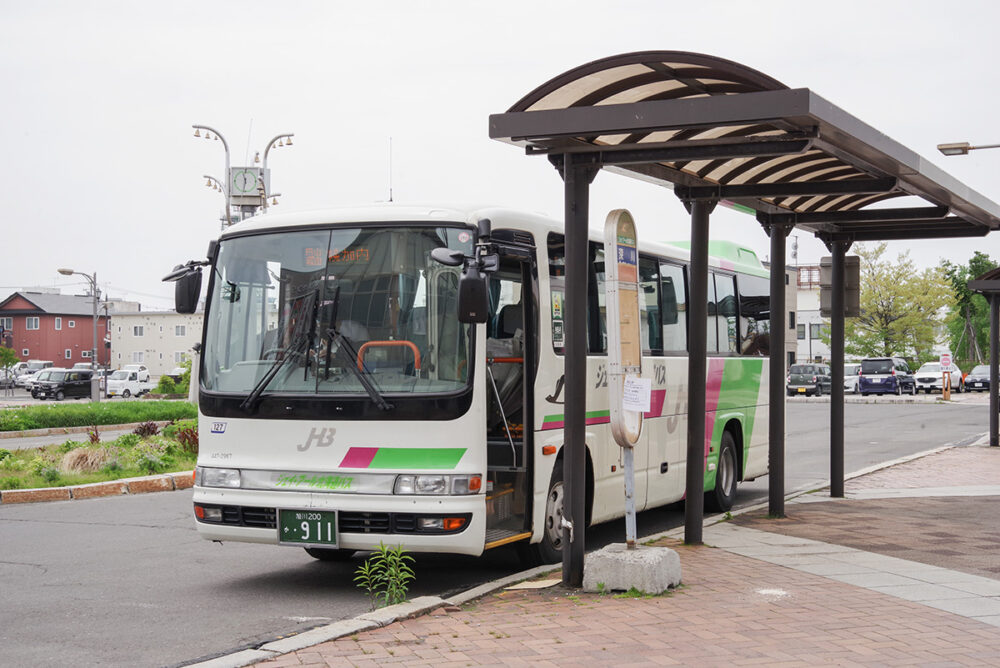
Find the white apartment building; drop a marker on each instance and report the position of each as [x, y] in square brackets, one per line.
[159, 339]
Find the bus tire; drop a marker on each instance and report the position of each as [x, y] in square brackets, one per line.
[722, 497]
[326, 554]
[549, 550]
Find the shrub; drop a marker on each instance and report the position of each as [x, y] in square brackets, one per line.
[38, 464]
[4, 454]
[112, 467]
[147, 429]
[149, 456]
[86, 460]
[188, 438]
[166, 385]
[128, 440]
[10, 482]
[50, 474]
[68, 445]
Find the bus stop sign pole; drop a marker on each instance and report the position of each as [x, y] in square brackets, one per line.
[628, 392]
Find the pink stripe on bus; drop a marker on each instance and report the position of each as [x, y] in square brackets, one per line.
[358, 458]
[713, 385]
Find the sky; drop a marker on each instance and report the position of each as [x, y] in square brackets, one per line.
[101, 172]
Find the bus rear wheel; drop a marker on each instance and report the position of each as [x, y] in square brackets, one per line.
[722, 497]
[326, 554]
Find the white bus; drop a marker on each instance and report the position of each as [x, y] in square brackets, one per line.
[343, 403]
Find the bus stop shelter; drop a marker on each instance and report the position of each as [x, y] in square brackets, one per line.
[715, 130]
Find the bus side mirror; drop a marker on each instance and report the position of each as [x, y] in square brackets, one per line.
[186, 292]
[473, 300]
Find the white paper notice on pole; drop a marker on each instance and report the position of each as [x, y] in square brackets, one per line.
[637, 394]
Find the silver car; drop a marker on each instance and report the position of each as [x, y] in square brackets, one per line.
[851, 377]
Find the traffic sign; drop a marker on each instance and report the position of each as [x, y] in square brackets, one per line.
[945, 360]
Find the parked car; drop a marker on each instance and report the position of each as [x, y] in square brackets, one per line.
[127, 383]
[37, 377]
[25, 379]
[930, 377]
[62, 383]
[978, 379]
[176, 374]
[851, 377]
[886, 375]
[808, 379]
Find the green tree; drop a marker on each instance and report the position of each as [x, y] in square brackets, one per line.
[900, 307]
[969, 322]
[8, 358]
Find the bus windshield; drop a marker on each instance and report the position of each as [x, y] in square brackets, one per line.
[356, 311]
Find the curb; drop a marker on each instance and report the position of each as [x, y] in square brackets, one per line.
[57, 431]
[166, 482]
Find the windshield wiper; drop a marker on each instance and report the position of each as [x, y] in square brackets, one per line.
[346, 352]
[300, 335]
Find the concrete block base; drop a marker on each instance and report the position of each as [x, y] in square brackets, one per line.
[651, 570]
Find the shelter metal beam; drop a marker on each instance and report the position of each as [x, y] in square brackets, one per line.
[776, 374]
[694, 504]
[860, 216]
[882, 234]
[795, 189]
[837, 297]
[641, 156]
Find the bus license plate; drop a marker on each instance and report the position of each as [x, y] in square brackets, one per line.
[307, 527]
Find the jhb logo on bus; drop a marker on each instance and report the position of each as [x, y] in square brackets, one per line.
[321, 438]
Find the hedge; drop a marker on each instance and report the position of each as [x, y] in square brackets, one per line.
[85, 415]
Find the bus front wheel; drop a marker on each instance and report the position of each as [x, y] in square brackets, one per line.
[722, 497]
[550, 549]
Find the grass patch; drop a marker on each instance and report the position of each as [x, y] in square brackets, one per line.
[103, 413]
[73, 463]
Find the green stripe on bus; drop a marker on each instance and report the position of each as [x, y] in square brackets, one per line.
[417, 458]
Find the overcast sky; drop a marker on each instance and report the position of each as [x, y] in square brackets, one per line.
[100, 170]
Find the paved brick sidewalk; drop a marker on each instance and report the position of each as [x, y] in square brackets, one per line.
[733, 609]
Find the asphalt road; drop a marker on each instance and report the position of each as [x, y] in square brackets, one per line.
[125, 580]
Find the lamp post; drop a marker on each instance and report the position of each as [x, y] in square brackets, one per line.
[95, 394]
[215, 184]
[276, 142]
[225, 189]
[963, 148]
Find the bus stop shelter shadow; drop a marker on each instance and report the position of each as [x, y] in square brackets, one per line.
[714, 130]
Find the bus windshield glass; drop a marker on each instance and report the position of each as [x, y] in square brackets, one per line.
[343, 311]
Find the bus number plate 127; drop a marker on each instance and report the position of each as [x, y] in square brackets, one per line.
[307, 527]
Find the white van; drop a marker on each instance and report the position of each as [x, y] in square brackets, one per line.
[128, 383]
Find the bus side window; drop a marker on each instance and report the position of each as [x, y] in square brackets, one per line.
[597, 329]
[726, 317]
[673, 308]
[755, 314]
[649, 307]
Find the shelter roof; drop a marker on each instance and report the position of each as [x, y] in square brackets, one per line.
[714, 129]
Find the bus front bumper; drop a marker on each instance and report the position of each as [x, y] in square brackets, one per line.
[364, 521]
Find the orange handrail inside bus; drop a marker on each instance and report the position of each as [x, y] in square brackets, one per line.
[386, 344]
[506, 360]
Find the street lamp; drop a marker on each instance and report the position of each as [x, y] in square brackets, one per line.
[276, 142]
[962, 148]
[208, 135]
[215, 184]
[95, 394]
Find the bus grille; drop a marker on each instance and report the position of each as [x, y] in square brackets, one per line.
[347, 521]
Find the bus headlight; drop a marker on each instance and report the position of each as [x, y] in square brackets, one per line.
[212, 477]
[437, 484]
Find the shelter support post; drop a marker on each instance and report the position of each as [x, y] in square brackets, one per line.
[994, 370]
[576, 181]
[838, 289]
[776, 373]
[694, 503]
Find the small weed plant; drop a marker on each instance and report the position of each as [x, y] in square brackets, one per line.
[385, 576]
